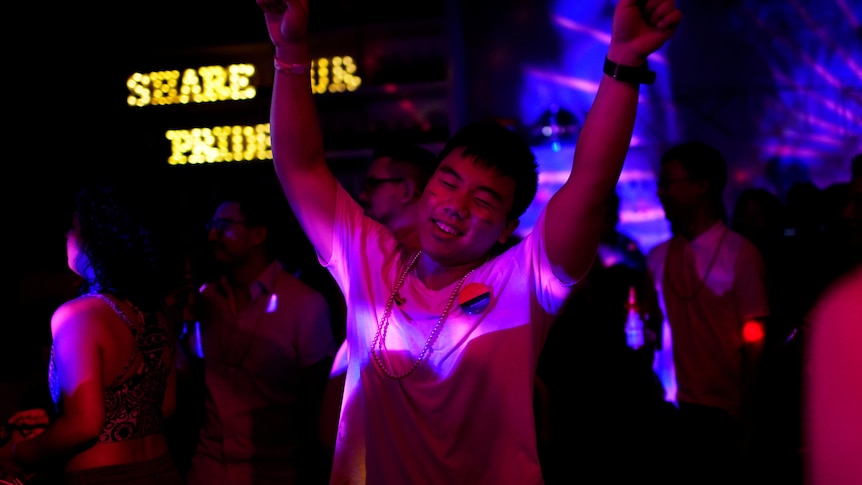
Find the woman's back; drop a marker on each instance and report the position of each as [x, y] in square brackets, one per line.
[129, 385]
[112, 368]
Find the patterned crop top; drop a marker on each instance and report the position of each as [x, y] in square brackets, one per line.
[133, 407]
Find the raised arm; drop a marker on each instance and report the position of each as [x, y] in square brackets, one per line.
[639, 28]
[297, 141]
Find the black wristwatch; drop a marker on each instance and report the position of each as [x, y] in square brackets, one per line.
[629, 74]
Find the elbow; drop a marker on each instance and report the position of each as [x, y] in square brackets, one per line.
[90, 426]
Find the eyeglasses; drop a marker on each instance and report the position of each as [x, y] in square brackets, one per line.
[371, 183]
[221, 223]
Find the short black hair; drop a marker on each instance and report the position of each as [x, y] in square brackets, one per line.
[422, 161]
[702, 162]
[263, 204]
[499, 147]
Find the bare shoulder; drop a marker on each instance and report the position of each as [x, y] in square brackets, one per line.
[85, 313]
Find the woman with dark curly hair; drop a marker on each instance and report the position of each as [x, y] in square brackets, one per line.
[112, 370]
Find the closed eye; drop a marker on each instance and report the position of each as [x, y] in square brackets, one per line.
[448, 177]
[484, 203]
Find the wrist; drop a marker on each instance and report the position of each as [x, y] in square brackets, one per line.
[627, 57]
[632, 74]
[293, 54]
[291, 68]
[20, 453]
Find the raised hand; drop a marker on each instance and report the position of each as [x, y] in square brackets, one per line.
[286, 20]
[640, 27]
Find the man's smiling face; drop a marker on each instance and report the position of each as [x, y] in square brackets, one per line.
[464, 210]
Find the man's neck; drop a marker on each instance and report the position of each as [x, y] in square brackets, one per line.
[435, 275]
[696, 227]
[243, 276]
[408, 236]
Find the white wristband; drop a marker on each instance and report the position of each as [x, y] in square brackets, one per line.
[288, 68]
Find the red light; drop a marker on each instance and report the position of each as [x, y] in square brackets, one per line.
[752, 332]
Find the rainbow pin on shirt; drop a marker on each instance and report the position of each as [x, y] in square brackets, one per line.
[474, 298]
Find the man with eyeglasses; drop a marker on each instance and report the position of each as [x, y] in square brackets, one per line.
[267, 346]
[392, 186]
[713, 284]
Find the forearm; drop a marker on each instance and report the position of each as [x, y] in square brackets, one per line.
[298, 150]
[62, 439]
[605, 137]
[751, 357]
[638, 29]
[601, 150]
[752, 353]
[608, 126]
[297, 141]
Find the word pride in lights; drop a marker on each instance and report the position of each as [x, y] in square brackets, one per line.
[220, 144]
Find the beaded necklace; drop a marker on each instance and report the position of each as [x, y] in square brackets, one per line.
[380, 337]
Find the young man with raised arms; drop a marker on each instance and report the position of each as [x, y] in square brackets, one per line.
[443, 342]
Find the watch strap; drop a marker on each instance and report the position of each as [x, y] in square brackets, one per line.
[629, 74]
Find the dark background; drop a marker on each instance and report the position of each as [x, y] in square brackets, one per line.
[733, 65]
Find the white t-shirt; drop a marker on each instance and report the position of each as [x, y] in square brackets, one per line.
[706, 320]
[465, 415]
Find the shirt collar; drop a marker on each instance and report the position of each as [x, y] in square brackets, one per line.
[263, 284]
[711, 236]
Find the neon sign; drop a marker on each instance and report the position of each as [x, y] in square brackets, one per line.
[202, 85]
[219, 144]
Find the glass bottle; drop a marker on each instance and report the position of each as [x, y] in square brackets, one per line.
[634, 327]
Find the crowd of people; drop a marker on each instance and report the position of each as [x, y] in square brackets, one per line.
[403, 334]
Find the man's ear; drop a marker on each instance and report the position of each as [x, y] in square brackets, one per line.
[511, 225]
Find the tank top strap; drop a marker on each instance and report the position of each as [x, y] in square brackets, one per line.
[119, 311]
[132, 328]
